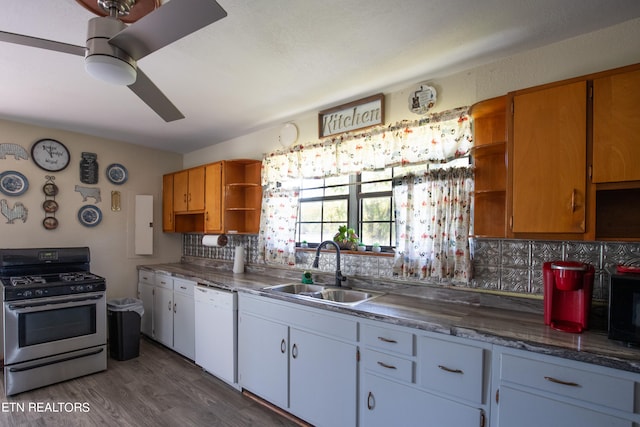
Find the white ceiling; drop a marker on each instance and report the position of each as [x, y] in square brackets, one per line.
[269, 61]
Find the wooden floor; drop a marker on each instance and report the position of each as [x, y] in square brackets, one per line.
[159, 388]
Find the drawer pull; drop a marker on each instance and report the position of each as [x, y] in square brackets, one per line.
[453, 371]
[557, 381]
[283, 346]
[384, 365]
[371, 401]
[388, 340]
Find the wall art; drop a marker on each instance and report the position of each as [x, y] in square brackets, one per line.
[18, 211]
[89, 168]
[87, 192]
[15, 150]
[50, 206]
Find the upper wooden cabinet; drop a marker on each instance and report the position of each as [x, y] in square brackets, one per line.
[549, 156]
[221, 197]
[167, 203]
[188, 190]
[490, 165]
[616, 127]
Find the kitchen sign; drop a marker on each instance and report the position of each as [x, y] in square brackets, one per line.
[355, 115]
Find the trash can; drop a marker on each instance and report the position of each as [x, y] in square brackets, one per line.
[123, 317]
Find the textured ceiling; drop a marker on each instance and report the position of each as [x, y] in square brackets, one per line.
[269, 61]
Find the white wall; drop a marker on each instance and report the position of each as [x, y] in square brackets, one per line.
[111, 241]
[601, 50]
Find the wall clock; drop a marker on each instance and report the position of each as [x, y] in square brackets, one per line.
[50, 155]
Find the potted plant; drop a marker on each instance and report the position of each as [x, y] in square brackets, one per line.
[362, 247]
[376, 247]
[304, 244]
[346, 238]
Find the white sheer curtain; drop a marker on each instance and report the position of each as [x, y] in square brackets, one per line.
[437, 138]
[433, 218]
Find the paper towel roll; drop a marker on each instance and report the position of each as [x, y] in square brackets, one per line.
[238, 260]
[214, 240]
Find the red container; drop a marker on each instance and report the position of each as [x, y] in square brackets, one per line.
[568, 286]
[568, 274]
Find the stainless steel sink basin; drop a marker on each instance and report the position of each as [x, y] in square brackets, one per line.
[327, 294]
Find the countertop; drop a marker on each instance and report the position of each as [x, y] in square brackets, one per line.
[496, 325]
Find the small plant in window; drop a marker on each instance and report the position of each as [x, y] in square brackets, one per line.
[346, 238]
[361, 246]
[376, 247]
[304, 244]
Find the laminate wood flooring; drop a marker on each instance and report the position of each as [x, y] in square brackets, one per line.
[158, 388]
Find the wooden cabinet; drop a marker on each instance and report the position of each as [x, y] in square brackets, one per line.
[213, 199]
[242, 200]
[408, 377]
[532, 389]
[548, 154]
[167, 203]
[616, 127]
[188, 190]
[301, 359]
[221, 197]
[490, 165]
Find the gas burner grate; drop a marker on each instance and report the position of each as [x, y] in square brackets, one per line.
[26, 280]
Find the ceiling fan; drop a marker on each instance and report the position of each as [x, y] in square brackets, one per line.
[113, 47]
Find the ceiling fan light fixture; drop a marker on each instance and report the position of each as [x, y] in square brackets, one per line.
[110, 69]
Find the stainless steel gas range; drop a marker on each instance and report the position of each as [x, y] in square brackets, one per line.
[54, 317]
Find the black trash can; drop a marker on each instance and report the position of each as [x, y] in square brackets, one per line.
[123, 317]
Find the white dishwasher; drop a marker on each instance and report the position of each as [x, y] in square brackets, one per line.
[216, 332]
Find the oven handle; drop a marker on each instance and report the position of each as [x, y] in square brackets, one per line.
[17, 307]
[53, 362]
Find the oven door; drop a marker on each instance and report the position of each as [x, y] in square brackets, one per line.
[44, 327]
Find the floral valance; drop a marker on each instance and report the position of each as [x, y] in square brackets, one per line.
[438, 138]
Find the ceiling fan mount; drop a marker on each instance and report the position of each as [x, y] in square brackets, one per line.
[113, 48]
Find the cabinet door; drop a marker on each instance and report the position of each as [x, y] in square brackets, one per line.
[616, 128]
[184, 341]
[167, 203]
[323, 375]
[180, 191]
[387, 403]
[145, 293]
[213, 198]
[196, 189]
[549, 160]
[163, 316]
[519, 408]
[263, 358]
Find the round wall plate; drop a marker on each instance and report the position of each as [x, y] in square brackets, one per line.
[288, 134]
[90, 215]
[117, 174]
[13, 183]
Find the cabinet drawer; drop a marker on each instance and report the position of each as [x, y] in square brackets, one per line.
[164, 281]
[452, 368]
[146, 276]
[183, 286]
[386, 364]
[573, 382]
[387, 339]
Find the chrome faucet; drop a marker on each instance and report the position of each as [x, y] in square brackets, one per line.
[339, 277]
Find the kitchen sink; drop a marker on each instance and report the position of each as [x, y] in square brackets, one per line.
[328, 294]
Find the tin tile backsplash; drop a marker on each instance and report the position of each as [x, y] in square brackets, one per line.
[499, 264]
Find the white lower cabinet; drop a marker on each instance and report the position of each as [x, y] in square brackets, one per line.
[532, 389]
[169, 315]
[301, 359]
[411, 378]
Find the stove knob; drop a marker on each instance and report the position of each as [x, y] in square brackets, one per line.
[79, 288]
[27, 293]
[39, 292]
[89, 288]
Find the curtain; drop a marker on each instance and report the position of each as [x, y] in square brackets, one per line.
[433, 218]
[278, 225]
[437, 138]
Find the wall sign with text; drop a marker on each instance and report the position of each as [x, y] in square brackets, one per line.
[360, 114]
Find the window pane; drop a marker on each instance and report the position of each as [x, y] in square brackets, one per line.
[376, 232]
[311, 188]
[375, 176]
[376, 209]
[310, 233]
[310, 211]
[342, 181]
[335, 211]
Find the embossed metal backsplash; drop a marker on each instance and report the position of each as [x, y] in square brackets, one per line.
[499, 264]
[516, 265]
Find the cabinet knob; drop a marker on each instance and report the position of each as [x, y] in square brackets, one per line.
[294, 351]
[283, 346]
[371, 401]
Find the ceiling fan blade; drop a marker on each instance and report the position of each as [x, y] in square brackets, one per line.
[154, 98]
[168, 23]
[41, 43]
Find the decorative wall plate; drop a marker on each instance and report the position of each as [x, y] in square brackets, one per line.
[50, 155]
[13, 183]
[422, 99]
[50, 206]
[50, 189]
[90, 215]
[50, 223]
[117, 174]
